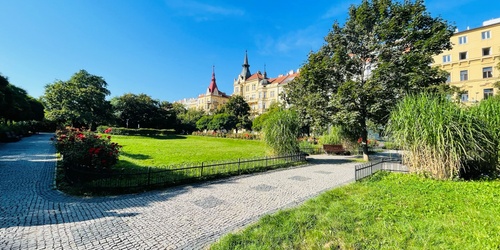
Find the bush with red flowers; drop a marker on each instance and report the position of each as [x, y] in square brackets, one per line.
[86, 149]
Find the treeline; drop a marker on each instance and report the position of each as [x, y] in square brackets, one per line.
[81, 102]
[16, 105]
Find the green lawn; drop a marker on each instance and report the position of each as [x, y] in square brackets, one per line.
[175, 149]
[387, 211]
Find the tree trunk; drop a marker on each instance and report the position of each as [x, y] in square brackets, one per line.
[364, 141]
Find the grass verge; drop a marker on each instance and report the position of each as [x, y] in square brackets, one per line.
[385, 211]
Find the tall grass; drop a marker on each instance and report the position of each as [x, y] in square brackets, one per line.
[281, 131]
[489, 112]
[441, 139]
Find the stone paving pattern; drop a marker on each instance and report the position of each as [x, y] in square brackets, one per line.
[33, 215]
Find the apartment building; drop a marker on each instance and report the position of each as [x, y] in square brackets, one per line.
[258, 90]
[472, 62]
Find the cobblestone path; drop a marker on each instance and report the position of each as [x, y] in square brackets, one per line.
[35, 216]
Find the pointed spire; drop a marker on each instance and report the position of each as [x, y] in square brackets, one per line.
[265, 73]
[245, 72]
[213, 84]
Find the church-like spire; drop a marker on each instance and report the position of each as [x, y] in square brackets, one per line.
[213, 84]
[245, 72]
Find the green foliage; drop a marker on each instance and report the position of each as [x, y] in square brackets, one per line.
[80, 101]
[16, 105]
[186, 118]
[136, 111]
[388, 211]
[239, 108]
[133, 131]
[488, 111]
[222, 121]
[86, 149]
[258, 122]
[281, 131]
[334, 136]
[382, 53]
[442, 139]
[203, 122]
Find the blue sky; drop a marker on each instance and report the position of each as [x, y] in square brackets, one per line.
[166, 49]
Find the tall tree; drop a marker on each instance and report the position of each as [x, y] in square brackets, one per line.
[80, 100]
[239, 108]
[141, 110]
[381, 54]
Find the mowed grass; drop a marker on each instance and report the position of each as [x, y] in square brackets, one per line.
[176, 150]
[387, 211]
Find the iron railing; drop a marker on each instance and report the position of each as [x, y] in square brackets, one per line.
[381, 164]
[151, 177]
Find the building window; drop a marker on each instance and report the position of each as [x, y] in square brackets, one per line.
[462, 39]
[486, 51]
[253, 87]
[260, 95]
[236, 89]
[448, 78]
[246, 97]
[485, 35]
[247, 88]
[446, 58]
[462, 55]
[464, 75]
[253, 97]
[263, 106]
[271, 93]
[487, 93]
[264, 95]
[465, 96]
[488, 72]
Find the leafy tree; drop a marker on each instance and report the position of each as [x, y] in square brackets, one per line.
[186, 118]
[222, 121]
[141, 110]
[238, 107]
[203, 122]
[381, 54]
[79, 101]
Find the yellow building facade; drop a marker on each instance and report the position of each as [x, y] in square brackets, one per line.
[258, 90]
[472, 62]
[210, 101]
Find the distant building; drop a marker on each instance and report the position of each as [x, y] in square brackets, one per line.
[258, 90]
[472, 61]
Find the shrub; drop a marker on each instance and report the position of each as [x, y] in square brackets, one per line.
[281, 131]
[334, 136]
[84, 148]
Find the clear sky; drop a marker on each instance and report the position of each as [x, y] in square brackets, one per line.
[166, 48]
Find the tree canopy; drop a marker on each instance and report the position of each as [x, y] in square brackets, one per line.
[239, 108]
[79, 101]
[17, 105]
[381, 54]
[141, 110]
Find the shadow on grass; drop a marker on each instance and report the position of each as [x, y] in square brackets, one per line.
[136, 156]
[165, 137]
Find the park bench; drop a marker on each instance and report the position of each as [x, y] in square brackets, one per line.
[335, 149]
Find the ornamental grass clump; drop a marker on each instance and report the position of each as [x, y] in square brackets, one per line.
[281, 132]
[488, 111]
[86, 149]
[441, 139]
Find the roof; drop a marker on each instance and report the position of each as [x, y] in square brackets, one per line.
[283, 79]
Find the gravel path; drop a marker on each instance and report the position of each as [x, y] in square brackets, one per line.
[35, 216]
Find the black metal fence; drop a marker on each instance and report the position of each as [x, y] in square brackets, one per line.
[381, 164]
[172, 175]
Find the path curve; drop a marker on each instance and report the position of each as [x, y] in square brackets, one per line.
[35, 216]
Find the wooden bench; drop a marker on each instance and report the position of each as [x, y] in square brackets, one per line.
[335, 149]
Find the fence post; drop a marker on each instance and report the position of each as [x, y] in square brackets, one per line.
[149, 176]
[201, 172]
[238, 165]
[266, 161]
